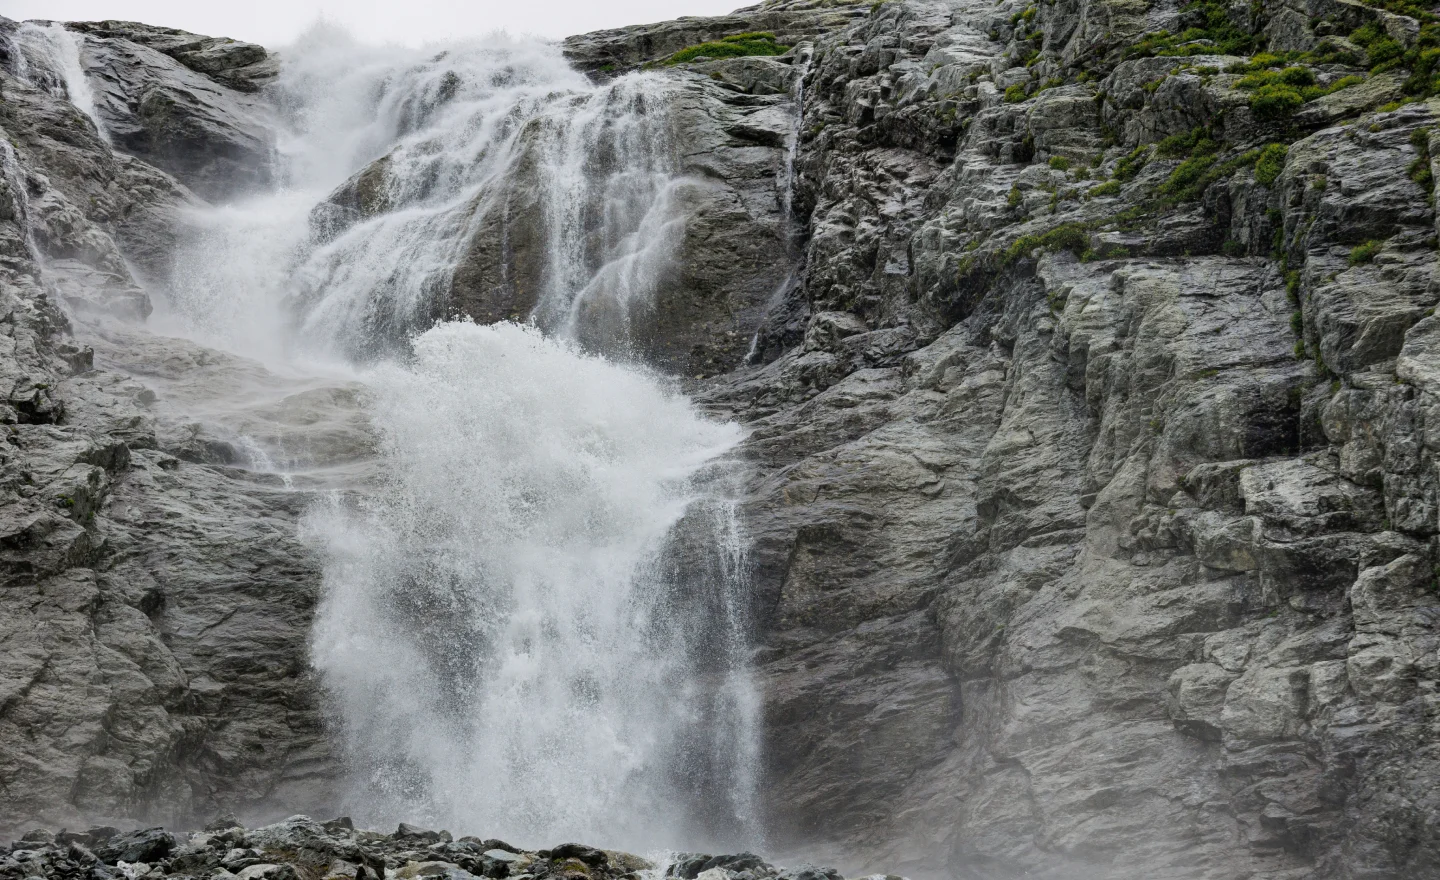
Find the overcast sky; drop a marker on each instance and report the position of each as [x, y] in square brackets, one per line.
[276, 22]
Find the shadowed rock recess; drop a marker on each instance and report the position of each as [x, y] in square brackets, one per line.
[1088, 354]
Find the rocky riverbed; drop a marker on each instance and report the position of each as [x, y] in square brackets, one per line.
[302, 849]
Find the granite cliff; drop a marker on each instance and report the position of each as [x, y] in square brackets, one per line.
[1086, 350]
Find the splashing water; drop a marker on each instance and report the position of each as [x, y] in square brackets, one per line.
[535, 625]
[501, 618]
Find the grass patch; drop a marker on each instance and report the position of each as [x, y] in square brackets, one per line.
[1131, 165]
[1270, 163]
[1420, 167]
[1073, 237]
[737, 46]
[1365, 253]
[1208, 31]
[1108, 188]
[1059, 163]
[1015, 94]
[1177, 145]
[1277, 94]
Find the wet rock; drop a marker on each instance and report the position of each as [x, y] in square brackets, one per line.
[136, 846]
[179, 117]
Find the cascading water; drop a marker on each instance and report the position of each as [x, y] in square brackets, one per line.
[533, 621]
[49, 58]
[534, 625]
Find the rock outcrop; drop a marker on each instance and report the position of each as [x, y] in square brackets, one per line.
[184, 103]
[1088, 355]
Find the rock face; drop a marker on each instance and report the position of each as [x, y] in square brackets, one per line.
[1093, 502]
[183, 103]
[1109, 550]
[152, 649]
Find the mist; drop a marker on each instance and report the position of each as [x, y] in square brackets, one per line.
[278, 22]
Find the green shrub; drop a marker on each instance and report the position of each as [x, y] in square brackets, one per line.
[1296, 76]
[1329, 52]
[1015, 198]
[1183, 178]
[1212, 33]
[1128, 167]
[1383, 54]
[1274, 102]
[1193, 176]
[1015, 94]
[1365, 253]
[1366, 34]
[1177, 145]
[1108, 188]
[737, 46]
[1059, 163]
[1420, 167]
[1270, 163]
[1072, 237]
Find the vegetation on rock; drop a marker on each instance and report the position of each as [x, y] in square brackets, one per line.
[737, 46]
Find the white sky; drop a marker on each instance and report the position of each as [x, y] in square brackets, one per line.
[277, 22]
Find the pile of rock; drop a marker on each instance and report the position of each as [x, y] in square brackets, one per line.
[302, 849]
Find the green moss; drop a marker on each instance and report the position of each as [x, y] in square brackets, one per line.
[737, 46]
[1108, 188]
[1420, 166]
[1183, 179]
[1073, 237]
[1270, 163]
[1292, 287]
[1128, 167]
[1210, 32]
[1177, 145]
[1384, 54]
[1275, 102]
[1365, 253]
[1277, 94]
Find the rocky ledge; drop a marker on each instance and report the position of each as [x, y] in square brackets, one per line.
[301, 847]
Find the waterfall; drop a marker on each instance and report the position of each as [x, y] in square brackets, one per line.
[535, 625]
[49, 59]
[498, 622]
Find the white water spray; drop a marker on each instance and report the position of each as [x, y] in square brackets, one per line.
[500, 622]
[536, 625]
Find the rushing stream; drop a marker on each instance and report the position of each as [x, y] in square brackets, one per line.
[531, 624]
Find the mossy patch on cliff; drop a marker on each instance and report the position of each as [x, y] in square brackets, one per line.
[736, 46]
